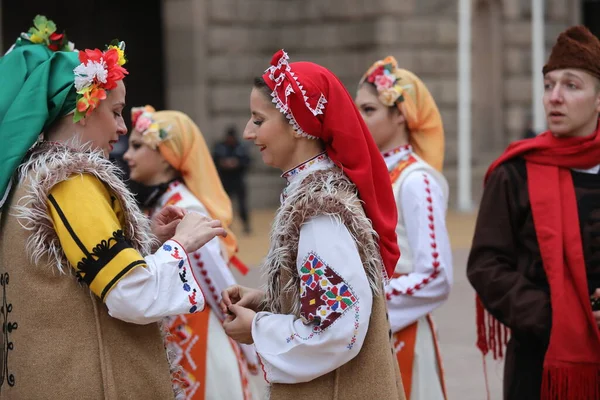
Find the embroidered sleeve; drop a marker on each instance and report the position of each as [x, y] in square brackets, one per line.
[334, 302]
[134, 288]
[166, 287]
[208, 263]
[415, 295]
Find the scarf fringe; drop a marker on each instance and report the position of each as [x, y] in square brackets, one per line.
[573, 382]
[492, 336]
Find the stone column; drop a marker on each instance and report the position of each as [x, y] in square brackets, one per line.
[186, 66]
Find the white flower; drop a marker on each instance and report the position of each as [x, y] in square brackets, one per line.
[85, 74]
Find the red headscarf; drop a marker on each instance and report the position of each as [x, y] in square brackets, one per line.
[318, 106]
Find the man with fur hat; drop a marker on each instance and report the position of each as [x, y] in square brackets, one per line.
[535, 262]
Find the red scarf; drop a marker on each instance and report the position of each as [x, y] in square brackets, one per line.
[572, 362]
[317, 104]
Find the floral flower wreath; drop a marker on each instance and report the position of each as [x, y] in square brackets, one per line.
[43, 31]
[142, 119]
[98, 72]
[384, 74]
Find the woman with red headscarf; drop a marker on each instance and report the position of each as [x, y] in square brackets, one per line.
[320, 328]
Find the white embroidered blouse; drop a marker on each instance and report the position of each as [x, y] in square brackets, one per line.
[336, 300]
[422, 203]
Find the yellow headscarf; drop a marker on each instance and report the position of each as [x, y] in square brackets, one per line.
[181, 143]
[404, 89]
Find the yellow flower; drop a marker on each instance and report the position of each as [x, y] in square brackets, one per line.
[35, 38]
[121, 53]
[388, 96]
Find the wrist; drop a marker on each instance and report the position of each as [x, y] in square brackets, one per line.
[182, 241]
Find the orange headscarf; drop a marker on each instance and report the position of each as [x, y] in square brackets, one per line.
[185, 150]
[404, 89]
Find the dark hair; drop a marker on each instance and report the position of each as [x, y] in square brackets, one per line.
[260, 84]
[231, 131]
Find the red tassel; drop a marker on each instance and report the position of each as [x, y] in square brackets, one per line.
[492, 336]
[236, 262]
[579, 382]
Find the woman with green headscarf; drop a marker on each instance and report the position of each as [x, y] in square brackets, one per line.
[81, 290]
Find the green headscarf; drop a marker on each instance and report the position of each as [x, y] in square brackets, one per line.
[36, 89]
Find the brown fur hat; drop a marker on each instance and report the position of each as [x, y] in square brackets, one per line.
[577, 48]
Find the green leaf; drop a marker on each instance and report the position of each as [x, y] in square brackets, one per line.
[347, 301]
[78, 116]
[319, 272]
[44, 25]
[330, 295]
[39, 21]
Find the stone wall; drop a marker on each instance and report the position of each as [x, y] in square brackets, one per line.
[215, 47]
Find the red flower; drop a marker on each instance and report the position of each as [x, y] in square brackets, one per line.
[90, 55]
[56, 37]
[135, 115]
[375, 73]
[115, 71]
[56, 40]
[90, 99]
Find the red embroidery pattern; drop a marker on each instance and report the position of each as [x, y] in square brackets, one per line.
[435, 262]
[396, 150]
[305, 165]
[204, 276]
[175, 254]
[176, 198]
[400, 167]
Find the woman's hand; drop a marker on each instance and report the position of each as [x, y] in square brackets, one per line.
[165, 222]
[241, 296]
[238, 324]
[195, 230]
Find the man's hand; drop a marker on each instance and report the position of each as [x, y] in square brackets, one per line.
[165, 222]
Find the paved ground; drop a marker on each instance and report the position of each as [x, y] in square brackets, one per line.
[455, 320]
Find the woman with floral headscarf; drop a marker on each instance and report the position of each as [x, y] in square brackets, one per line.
[406, 125]
[81, 289]
[320, 328]
[167, 151]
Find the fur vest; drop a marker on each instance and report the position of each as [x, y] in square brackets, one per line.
[60, 340]
[330, 192]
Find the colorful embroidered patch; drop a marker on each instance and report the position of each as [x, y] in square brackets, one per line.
[324, 295]
[305, 165]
